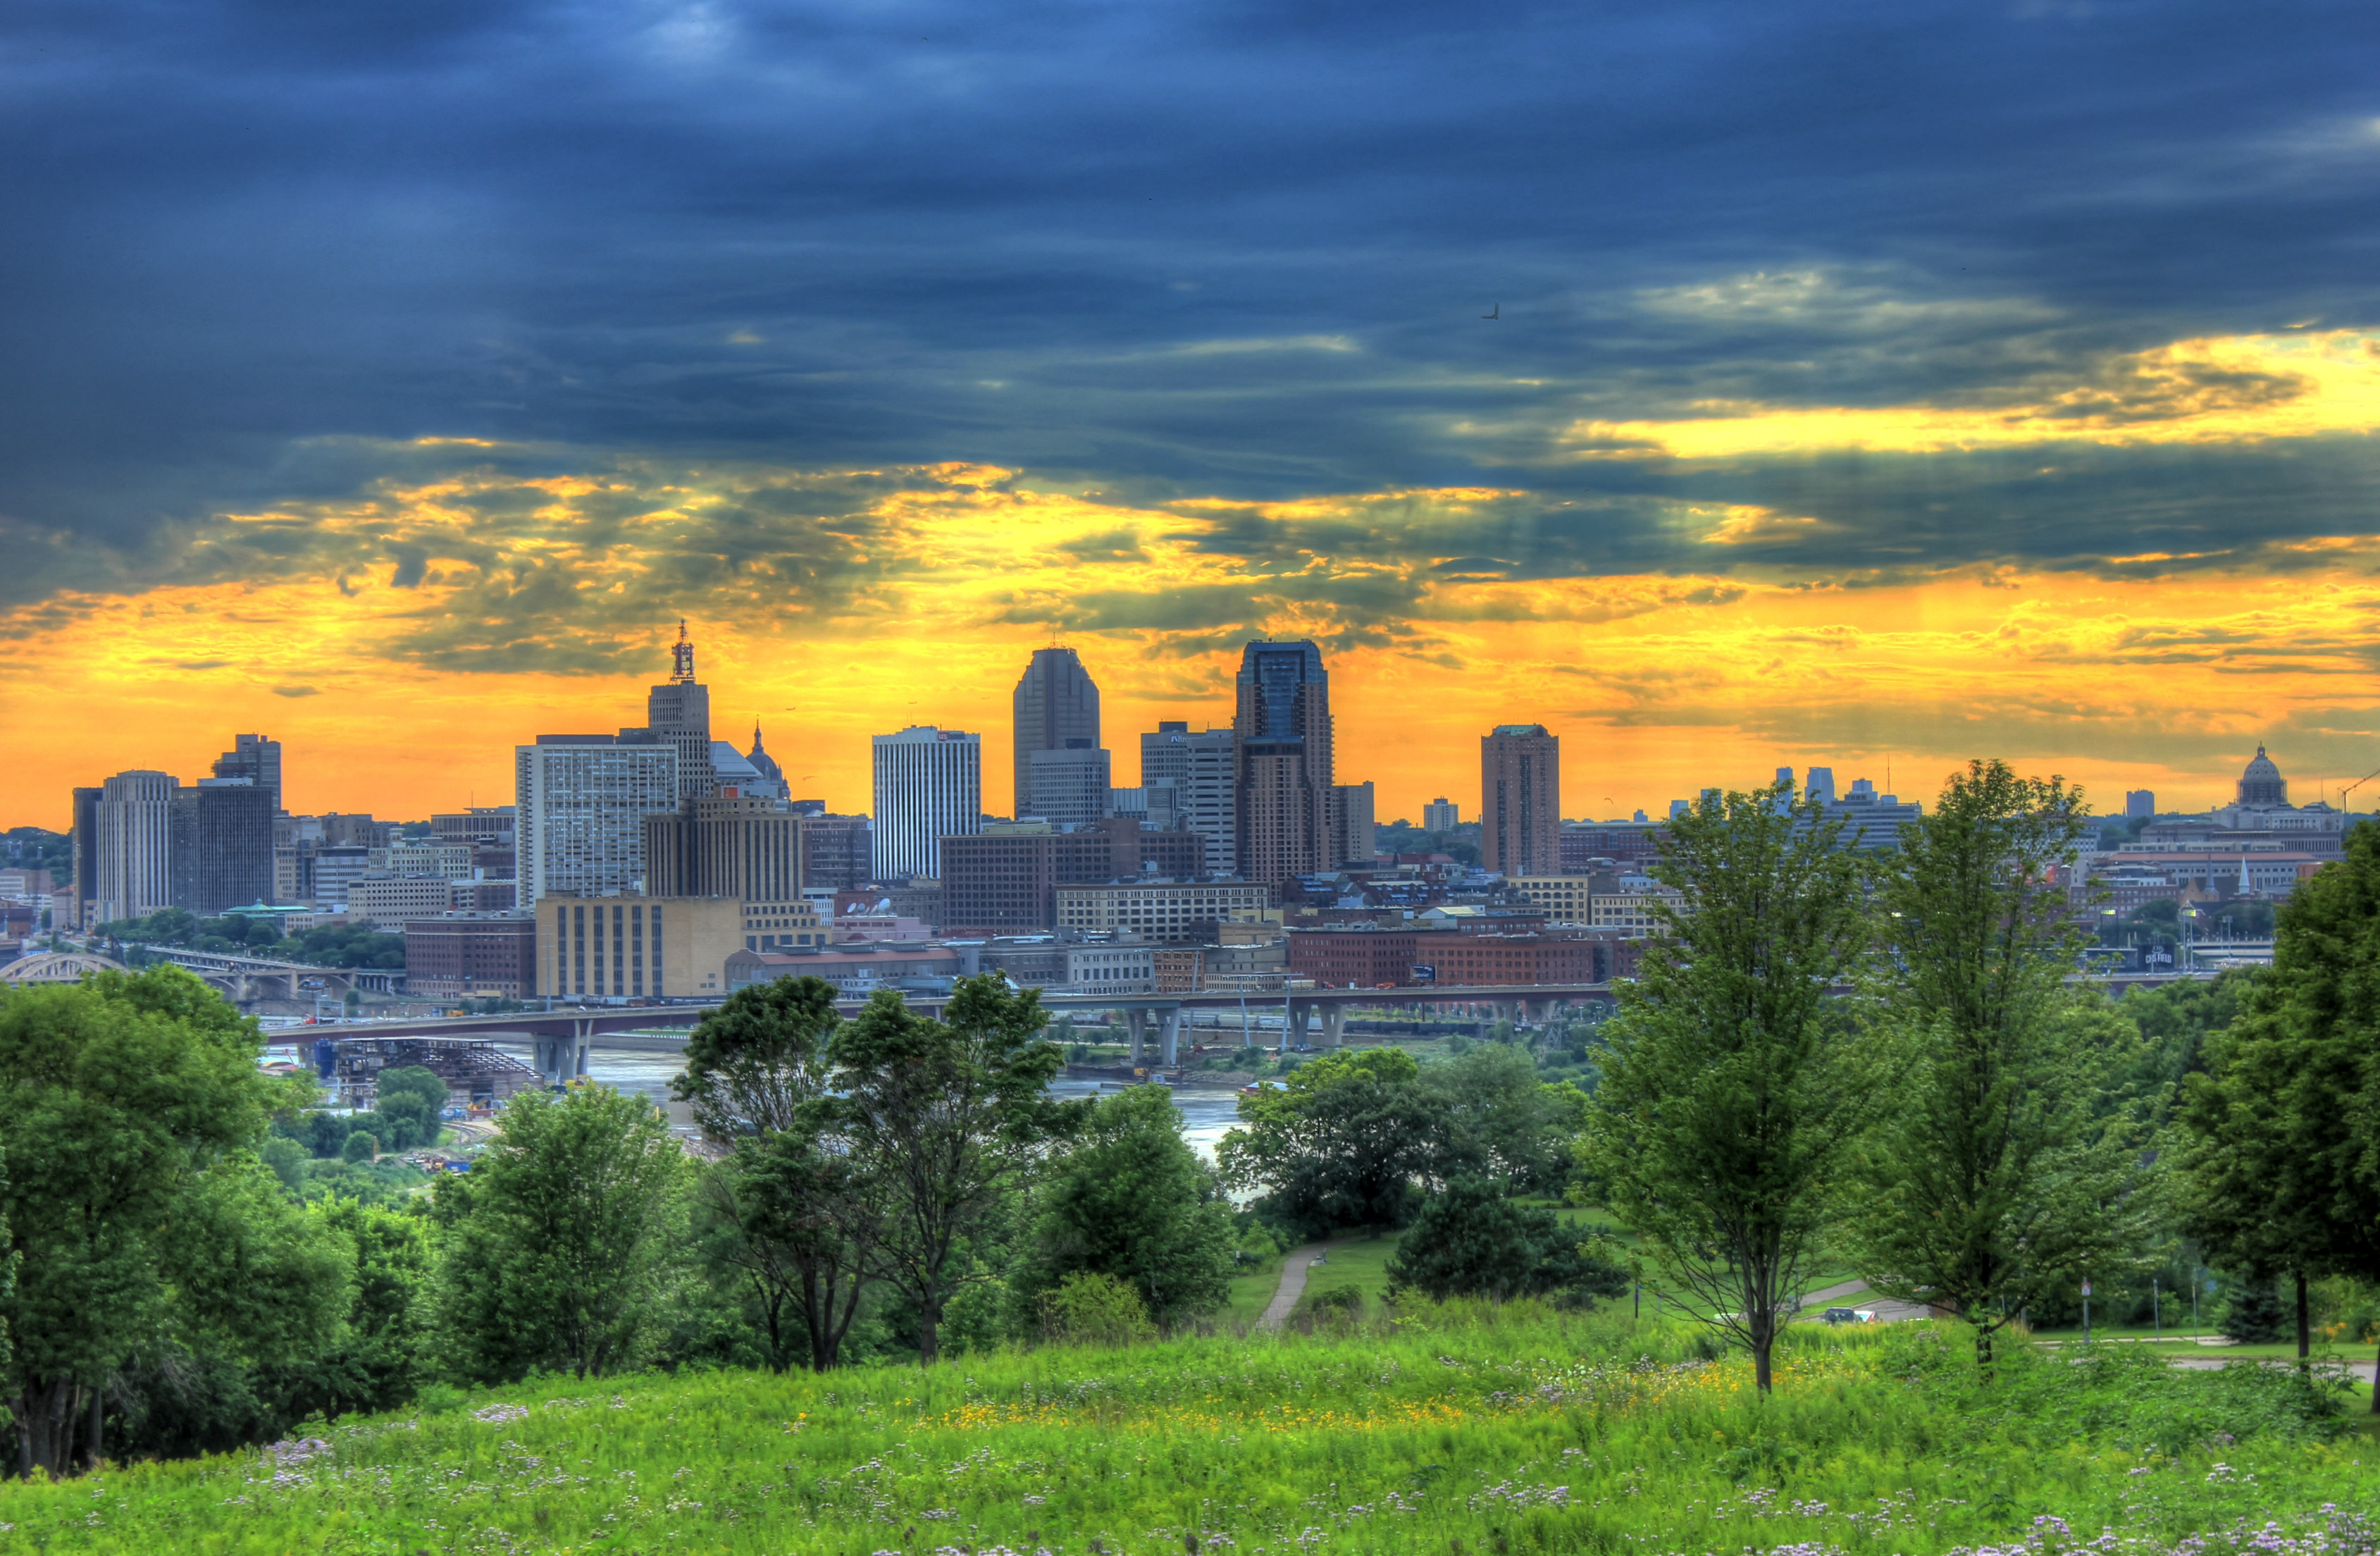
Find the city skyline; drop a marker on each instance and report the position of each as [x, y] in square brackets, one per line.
[1409, 771]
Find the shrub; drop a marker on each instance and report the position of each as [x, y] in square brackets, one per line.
[1093, 1309]
[361, 1146]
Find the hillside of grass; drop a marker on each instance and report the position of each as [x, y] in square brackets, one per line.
[1458, 1431]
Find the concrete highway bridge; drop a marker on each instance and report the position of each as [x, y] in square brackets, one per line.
[563, 1038]
[246, 978]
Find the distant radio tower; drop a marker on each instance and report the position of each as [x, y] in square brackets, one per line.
[681, 657]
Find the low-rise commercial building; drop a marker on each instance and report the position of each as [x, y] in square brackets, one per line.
[1005, 878]
[1373, 958]
[392, 901]
[857, 971]
[1162, 910]
[1111, 969]
[471, 956]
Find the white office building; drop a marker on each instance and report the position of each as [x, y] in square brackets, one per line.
[929, 787]
[1203, 771]
[135, 859]
[580, 808]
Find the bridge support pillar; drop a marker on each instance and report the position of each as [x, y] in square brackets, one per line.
[562, 1058]
[1334, 1026]
[1137, 1022]
[1169, 1036]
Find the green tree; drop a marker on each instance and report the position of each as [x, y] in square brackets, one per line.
[1340, 1143]
[1472, 1240]
[1501, 1122]
[1735, 1083]
[561, 1236]
[2280, 1135]
[2011, 1166]
[945, 1117]
[116, 1096]
[789, 1218]
[1132, 1200]
[376, 1362]
[416, 1095]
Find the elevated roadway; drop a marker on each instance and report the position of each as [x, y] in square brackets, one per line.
[563, 1038]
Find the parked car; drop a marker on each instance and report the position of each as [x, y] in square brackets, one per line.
[1848, 1316]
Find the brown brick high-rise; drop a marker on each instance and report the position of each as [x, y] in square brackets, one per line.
[1520, 801]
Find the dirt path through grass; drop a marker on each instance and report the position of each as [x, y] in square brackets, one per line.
[1292, 1281]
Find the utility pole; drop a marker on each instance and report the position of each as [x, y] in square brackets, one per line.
[2086, 1312]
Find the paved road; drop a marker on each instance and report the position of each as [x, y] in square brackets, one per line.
[1886, 1310]
[1293, 1282]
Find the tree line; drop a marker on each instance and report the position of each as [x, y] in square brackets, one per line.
[1887, 1064]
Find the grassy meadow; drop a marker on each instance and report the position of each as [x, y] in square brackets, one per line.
[1459, 1430]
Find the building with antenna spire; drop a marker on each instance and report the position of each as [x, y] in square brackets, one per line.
[678, 714]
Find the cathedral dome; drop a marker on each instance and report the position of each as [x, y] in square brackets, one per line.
[2261, 784]
[762, 762]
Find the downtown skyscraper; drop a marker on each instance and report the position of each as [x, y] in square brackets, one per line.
[1282, 722]
[929, 787]
[1057, 709]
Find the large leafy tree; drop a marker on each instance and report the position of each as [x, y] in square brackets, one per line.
[1472, 1240]
[2012, 1164]
[563, 1237]
[789, 1217]
[945, 1118]
[118, 1098]
[1341, 1142]
[2280, 1135]
[1499, 1122]
[1736, 1082]
[1132, 1200]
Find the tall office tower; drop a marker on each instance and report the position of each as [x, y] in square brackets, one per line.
[135, 815]
[1520, 801]
[220, 845]
[747, 848]
[2139, 803]
[580, 804]
[1068, 787]
[929, 787]
[1204, 770]
[255, 758]
[1352, 841]
[1821, 786]
[1057, 703]
[1441, 815]
[79, 913]
[1283, 723]
[678, 714]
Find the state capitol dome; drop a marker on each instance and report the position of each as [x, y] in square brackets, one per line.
[2262, 783]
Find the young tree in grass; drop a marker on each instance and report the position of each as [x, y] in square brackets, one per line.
[1132, 1200]
[2006, 1168]
[561, 1236]
[1736, 1082]
[943, 1117]
[2280, 1136]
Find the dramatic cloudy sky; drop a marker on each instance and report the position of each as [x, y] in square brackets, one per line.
[1872, 383]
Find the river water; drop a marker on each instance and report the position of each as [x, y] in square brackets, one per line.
[1205, 1113]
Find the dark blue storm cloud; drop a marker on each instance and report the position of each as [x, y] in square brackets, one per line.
[1222, 248]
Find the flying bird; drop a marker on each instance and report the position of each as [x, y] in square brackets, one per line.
[1493, 311]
